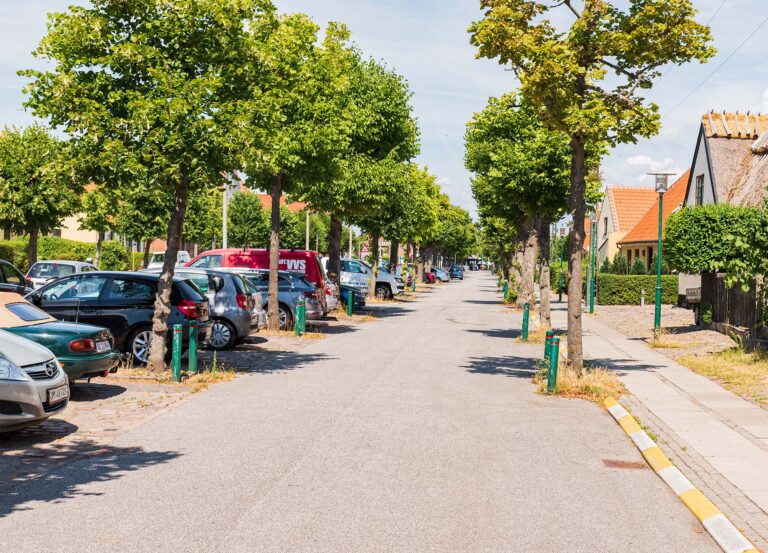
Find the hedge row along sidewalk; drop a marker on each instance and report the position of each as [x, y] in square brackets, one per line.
[715, 522]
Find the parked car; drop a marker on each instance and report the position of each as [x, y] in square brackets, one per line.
[258, 303]
[331, 297]
[387, 284]
[33, 386]
[124, 302]
[13, 280]
[456, 271]
[230, 305]
[430, 278]
[440, 275]
[43, 272]
[344, 293]
[158, 259]
[352, 274]
[291, 287]
[83, 350]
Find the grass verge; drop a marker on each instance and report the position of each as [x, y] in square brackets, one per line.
[594, 384]
[663, 341]
[743, 373]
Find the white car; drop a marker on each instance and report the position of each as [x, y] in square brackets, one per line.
[441, 275]
[352, 274]
[33, 386]
[387, 284]
[158, 258]
[43, 272]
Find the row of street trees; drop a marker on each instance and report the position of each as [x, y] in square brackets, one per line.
[162, 100]
[582, 69]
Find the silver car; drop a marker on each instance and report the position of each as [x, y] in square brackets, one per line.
[231, 304]
[33, 386]
[43, 272]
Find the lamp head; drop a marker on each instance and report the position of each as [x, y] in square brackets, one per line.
[662, 181]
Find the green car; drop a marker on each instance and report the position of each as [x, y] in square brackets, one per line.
[83, 350]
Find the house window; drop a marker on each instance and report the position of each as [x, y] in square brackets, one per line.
[56, 232]
[605, 226]
[699, 189]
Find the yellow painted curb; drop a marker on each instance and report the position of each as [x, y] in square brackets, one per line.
[727, 536]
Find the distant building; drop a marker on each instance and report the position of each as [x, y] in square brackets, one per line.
[621, 210]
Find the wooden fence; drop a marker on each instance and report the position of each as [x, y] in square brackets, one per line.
[732, 306]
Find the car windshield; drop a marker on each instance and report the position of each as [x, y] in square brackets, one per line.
[27, 312]
[51, 270]
[158, 257]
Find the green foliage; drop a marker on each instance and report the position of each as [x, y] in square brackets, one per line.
[638, 267]
[620, 264]
[627, 289]
[37, 190]
[749, 246]
[606, 267]
[665, 270]
[248, 221]
[705, 238]
[707, 313]
[114, 256]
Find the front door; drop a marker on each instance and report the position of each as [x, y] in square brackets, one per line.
[73, 299]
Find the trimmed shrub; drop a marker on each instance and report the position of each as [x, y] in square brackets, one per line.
[638, 267]
[606, 267]
[114, 257]
[620, 265]
[626, 289]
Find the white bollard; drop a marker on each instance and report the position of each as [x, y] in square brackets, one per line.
[642, 298]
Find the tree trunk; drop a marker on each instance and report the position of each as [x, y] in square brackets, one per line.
[418, 254]
[158, 345]
[408, 251]
[428, 259]
[273, 313]
[544, 287]
[394, 250]
[578, 207]
[32, 248]
[145, 261]
[334, 249]
[528, 266]
[374, 264]
[97, 258]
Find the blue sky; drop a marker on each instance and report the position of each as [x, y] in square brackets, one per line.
[426, 41]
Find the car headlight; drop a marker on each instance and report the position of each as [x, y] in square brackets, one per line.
[10, 371]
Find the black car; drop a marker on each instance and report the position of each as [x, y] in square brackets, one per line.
[124, 303]
[13, 280]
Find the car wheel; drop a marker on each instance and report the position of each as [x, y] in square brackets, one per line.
[138, 345]
[223, 335]
[383, 292]
[284, 317]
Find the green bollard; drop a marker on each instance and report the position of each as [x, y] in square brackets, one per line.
[176, 359]
[350, 302]
[304, 318]
[192, 346]
[554, 359]
[548, 344]
[297, 322]
[504, 291]
[526, 316]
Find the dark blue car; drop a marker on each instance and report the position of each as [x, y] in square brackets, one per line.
[456, 271]
[344, 292]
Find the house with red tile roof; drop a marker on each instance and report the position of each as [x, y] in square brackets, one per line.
[621, 210]
[642, 241]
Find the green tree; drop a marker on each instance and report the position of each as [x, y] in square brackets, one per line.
[145, 90]
[606, 267]
[205, 226]
[37, 190]
[99, 209]
[638, 267]
[565, 70]
[248, 221]
[620, 264]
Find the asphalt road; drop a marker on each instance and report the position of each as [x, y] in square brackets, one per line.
[420, 432]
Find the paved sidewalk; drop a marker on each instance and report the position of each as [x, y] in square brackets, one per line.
[719, 439]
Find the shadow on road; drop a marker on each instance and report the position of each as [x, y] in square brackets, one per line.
[270, 362]
[510, 366]
[385, 311]
[57, 474]
[94, 391]
[497, 332]
[484, 302]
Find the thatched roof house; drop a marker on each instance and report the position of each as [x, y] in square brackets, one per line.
[730, 164]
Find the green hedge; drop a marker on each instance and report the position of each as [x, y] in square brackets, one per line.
[114, 256]
[626, 289]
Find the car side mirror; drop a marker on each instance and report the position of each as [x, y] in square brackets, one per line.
[36, 299]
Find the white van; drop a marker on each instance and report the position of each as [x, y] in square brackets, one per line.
[158, 258]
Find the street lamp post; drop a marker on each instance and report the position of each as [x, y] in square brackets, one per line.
[560, 281]
[662, 181]
[593, 261]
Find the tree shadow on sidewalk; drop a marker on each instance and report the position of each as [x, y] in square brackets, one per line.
[94, 391]
[510, 366]
[620, 366]
[271, 362]
[484, 302]
[57, 474]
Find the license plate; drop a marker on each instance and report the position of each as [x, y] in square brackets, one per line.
[56, 395]
[101, 347]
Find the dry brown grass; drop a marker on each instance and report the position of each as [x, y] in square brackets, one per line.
[595, 384]
[662, 340]
[743, 373]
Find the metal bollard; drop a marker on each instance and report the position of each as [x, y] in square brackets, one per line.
[526, 317]
[176, 359]
[554, 360]
[504, 291]
[300, 306]
[192, 346]
[350, 302]
[304, 318]
[642, 298]
[548, 344]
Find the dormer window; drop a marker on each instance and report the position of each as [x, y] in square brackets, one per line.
[699, 189]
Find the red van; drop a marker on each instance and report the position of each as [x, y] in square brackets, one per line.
[297, 261]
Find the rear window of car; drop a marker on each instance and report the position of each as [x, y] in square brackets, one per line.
[127, 289]
[201, 281]
[27, 312]
[208, 262]
[51, 270]
[186, 290]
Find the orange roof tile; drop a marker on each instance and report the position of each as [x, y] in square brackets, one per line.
[647, 229]
[293, 207]
[628, 205]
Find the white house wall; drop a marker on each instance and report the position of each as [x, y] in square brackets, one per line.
[700, 166]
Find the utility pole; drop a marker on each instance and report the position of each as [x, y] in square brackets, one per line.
[228, 187]
[350, 243]
[306, 242]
